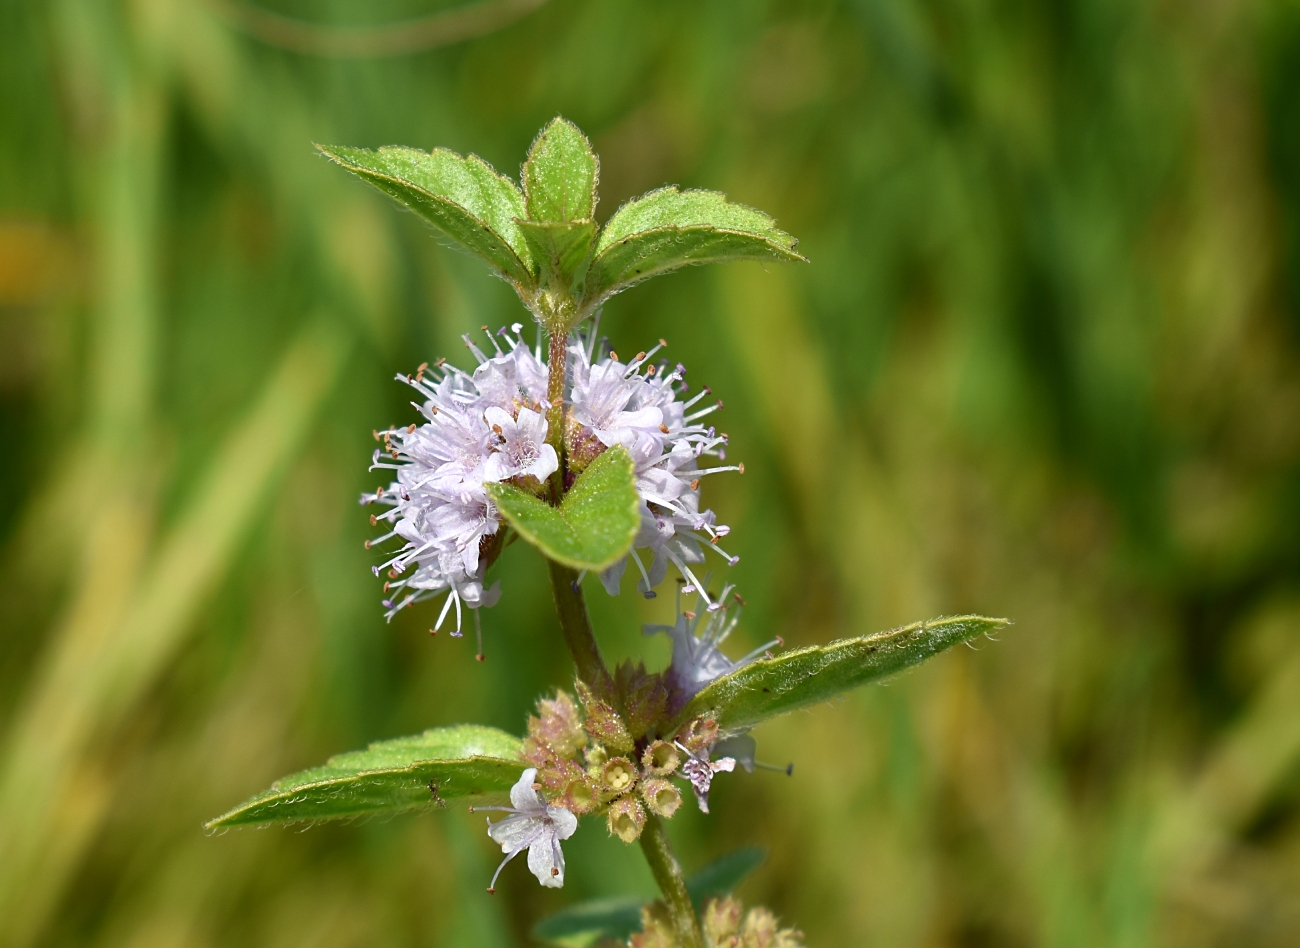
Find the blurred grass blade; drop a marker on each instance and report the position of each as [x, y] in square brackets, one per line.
[391, 39]
[120, 632]
[463, 198]
[586, 922]
[467, 763]
[807, 676]
[560, 175]
[668, 228]
[593, 527]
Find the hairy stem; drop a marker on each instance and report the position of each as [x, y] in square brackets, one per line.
[558, 361]
[668, 874]
[576, 626]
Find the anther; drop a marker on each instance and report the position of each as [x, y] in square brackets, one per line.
[695, 484]
[613, 355]
[368, 542]
[393, 574]
[554, 871]
[376, 433]
[481, 657]
[374, 522]
[688, 613]
[411, 430]
[663, 428]
[741, 467]
[440, 363]
[639, 356]
[663, 342]
[739, 599]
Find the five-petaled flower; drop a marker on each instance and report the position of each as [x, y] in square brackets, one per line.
[534, 825]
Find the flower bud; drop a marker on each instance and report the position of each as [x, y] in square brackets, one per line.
[661, 797]
[698, 734]
[626, 818]
[720, 920]
[617, 776]
[579, 796]
[557, 724]
[603, 722]
[661, 759]
[656, 928]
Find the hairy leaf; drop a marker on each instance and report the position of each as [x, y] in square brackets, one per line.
[595, 524]
[560, 175]
[467, 763]
[560, 251]
[462, 197]
[668, 228]
[617, 918]
[807, 676]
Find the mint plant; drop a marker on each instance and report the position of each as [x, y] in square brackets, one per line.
[597, 462]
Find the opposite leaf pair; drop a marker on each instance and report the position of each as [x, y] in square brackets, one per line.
[544, 240]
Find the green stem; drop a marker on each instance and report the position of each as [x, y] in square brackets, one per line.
[668, 874]
[558, 360]
[576, 626]
[581, 640]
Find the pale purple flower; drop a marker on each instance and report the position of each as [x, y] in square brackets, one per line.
[636, 404]
[491, 426]
[480, 428]
[521, 448]
[697, 655]
[699, 770]
[534, 825]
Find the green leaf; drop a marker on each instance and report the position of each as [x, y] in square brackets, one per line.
[668, 228]
[560, 175]
[595, 524]
[722, 875]
[807, 676]
[584, 923]
[462, 197]
[467, 763]
[561, 251]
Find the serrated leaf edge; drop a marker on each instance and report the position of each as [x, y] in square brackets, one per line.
[525, 271]
[276, 798]
[696, 706]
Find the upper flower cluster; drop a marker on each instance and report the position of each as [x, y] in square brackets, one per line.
[491, 426]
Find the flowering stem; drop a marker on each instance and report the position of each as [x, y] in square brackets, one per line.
[576, 626]
[668, 874]
[558, 361]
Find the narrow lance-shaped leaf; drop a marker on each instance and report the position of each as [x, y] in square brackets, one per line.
[595, 524]
[617, 918]
[467, 201]
[668, 228]
[808, 676]
[560, 175]
[467, 763]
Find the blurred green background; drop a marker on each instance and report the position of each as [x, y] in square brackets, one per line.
[1043, 365]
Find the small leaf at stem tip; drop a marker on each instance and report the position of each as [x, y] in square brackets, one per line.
[463, 198]
[561, 252]
[807, 676]
[467, 763]
[595, 524]
[668, 228]
[560, 175]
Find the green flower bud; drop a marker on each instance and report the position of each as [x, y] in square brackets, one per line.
[661, 797]
[626, 818]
